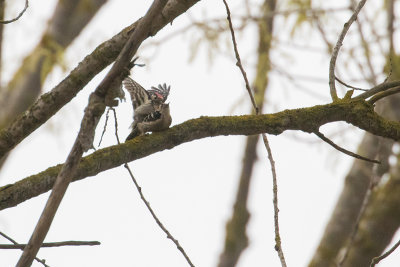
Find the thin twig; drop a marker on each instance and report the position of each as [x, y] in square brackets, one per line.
[176, 242]
[19, 15]
[84, 140]
[278, 246]
[139, 189]
[105, 127]
[349, 86]
[53, 244]
[327, 140]
[15, 243]
[336, 49]
[278, 243]
[383, 94]
[116, 125]
[269, 14]
[239, 62]
[376, 260]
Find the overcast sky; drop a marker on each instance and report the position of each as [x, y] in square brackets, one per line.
[191, 187]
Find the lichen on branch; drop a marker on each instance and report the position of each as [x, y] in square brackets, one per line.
[354, 111]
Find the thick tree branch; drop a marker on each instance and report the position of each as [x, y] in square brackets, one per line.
[48, 104]
[379, 88]
[344, 214]
[84, 140]
[278, 246]
[357, 112]
[26, 85]
[236, 240]
[379, 96]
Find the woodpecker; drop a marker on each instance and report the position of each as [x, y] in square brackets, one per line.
[151, 114]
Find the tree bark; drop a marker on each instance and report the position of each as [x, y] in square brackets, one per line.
[356, 112]
[68, 20]
[48, 104]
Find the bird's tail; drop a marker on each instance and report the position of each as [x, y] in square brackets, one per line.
[133, 134]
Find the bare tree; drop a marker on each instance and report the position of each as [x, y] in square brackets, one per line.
[362, 223]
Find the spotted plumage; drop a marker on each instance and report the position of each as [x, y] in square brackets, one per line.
[150, 111]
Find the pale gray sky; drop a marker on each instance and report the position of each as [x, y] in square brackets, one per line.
[193, 187]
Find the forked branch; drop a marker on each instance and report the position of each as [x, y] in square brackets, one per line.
[356, 112]
[84, 140]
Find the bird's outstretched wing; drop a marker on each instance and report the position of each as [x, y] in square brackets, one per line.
[161, 92]
[139, 95]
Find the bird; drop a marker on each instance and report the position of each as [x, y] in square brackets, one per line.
[151, 113]
[157, 121]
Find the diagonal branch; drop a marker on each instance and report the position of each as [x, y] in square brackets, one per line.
[278, 246]
[358, 113]
[84, 140]
[383, 94]
[350, 86]
[337, 47]
[156, 219]
[49, 104]
[147, 204]
[377, 259]
[15, 243]
[239, 62]
[27, 82]
[351, 154]
[377, 89]
[236, 239]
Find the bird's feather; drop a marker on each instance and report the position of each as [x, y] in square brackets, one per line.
[162, 91]
[139, 95]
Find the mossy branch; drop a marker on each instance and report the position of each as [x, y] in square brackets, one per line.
[357, 112]
[50, 103]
